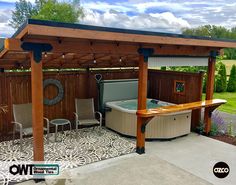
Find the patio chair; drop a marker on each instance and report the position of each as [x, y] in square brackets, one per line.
[85, 114]
[23, 121]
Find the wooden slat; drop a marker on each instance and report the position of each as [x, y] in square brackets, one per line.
[180, 107]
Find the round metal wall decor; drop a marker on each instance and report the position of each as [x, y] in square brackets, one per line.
[60, 89]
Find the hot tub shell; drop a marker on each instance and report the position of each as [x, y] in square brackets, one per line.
[168, 126]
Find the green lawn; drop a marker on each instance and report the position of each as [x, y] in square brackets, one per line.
[230, 106]
[228, 64]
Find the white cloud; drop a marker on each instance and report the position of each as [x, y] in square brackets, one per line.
[152, 22]
[13, 1]
[103, 6]
[5, 30]
[142, 7]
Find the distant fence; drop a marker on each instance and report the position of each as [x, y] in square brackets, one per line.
[15, 88]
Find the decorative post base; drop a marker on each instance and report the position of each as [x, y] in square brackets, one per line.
[140, 150]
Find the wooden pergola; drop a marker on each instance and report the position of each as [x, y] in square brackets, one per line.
[39, 45]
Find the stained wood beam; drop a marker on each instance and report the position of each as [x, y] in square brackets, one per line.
[84, 47]
[40, 30]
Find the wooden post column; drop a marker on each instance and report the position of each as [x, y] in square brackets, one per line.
[37, 108]
[210, 89]
[36, 50]
[144, 53]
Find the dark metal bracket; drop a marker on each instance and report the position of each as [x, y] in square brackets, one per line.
[211, 110]
[37, 49]
[143, 127]
[140, 150]
[144, 124]
[146, 52]
[214, 54]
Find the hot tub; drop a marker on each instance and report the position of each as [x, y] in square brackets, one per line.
[122, 118]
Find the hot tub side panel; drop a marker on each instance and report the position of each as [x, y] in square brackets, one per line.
[122, 122]
[161, 127]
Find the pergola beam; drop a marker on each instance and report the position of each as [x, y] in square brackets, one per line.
[85, 47]
[64, 32]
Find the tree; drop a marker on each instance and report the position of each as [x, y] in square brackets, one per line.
[213, 31]
[208, 31]
[51, 10]
[163, 68]
[221, 79]
[231, 87]
[23, 11]
[56, 11]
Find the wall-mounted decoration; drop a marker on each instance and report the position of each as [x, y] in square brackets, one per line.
[179, 87]
[60, 89]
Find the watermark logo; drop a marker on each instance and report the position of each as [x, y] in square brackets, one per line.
[221, 170]
[34, 169]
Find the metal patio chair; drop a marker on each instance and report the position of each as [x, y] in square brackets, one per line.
[23, 121]
[85, 114]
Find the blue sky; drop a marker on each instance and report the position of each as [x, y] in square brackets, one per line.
[153, 15]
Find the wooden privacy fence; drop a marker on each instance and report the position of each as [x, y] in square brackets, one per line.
[15, 88]
[162, 87]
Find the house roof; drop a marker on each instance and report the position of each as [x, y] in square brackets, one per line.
[81, 45]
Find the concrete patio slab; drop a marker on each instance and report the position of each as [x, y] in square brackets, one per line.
[186, 160]
[197, 154]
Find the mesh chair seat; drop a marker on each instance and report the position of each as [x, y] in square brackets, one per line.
[23, 121]
[88, 121]
[85, 113]
[29, 131]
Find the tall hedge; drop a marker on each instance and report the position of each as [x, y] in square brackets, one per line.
[221, 79]
[231, 87]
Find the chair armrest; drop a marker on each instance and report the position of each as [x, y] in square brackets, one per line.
[17, 124]
[76, 117]
[47, 122]
[100, 117]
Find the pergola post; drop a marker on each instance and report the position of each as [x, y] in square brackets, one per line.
[37, 108]
[144, 53]
[36, 50]
[210, 89]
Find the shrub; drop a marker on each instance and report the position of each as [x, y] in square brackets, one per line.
[214, 130]
[218, 122]
[218, 125]
[204, 84]
[230, 129]
[163, 68]
[200, 128]
[231, 87]
[221, 81]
